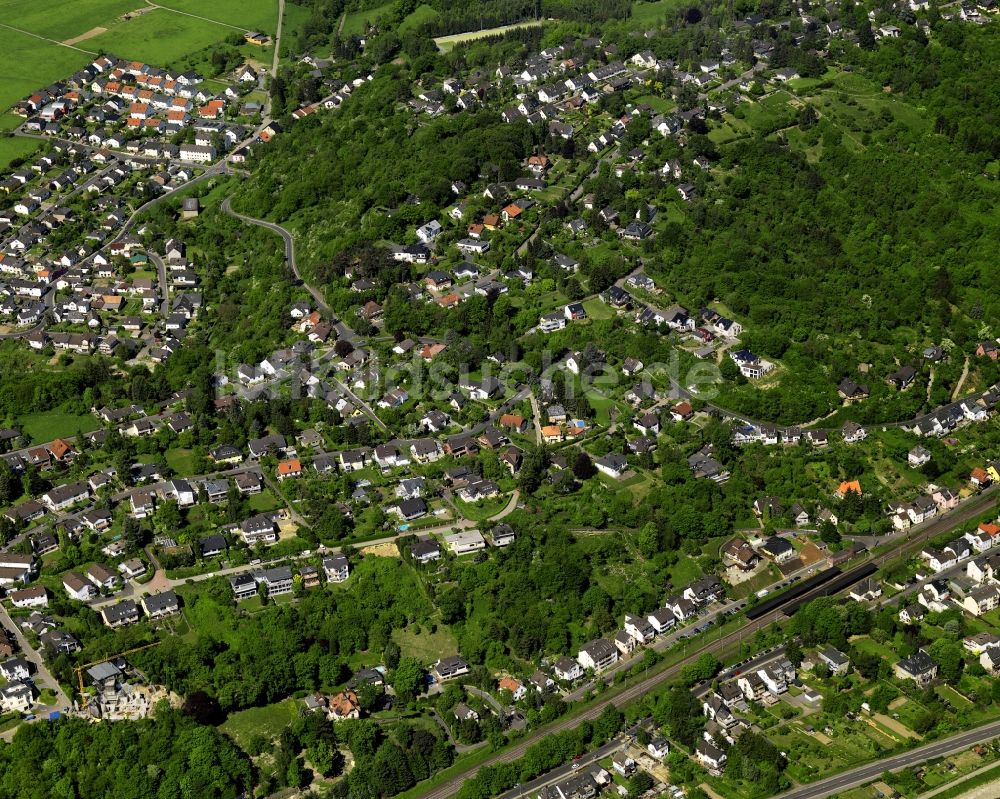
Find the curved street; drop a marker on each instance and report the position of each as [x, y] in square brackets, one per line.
[289, 249]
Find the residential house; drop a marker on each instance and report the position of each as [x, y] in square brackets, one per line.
[919, 667]
[597, 655]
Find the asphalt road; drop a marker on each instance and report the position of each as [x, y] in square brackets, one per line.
[42, 676]
[859, 776]
[289, 250]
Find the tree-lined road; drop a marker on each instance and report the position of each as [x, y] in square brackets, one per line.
[950, 520]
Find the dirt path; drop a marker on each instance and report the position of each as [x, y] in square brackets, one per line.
[508, 508]
[930, 385]
[961, 381]
[535, 418]
[899, 729]
[84, 36]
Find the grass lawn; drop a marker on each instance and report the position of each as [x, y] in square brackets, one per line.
[477, 511]
[355, 21]
[598, 309]
[268, 721]
[264, 501]
[42, 427]
[685, 571]
[180, 460]
[426, 647]
[602, 406]
[421, 15]
[659, 104]
[11, 148]
[884, 651]
[958, 701]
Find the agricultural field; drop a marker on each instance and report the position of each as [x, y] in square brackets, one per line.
[15, 148]
[29, 62]
[47, 40]
[161, 37]
[61, 21]
[259, 14]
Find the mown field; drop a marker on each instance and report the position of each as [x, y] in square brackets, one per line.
[15, 148]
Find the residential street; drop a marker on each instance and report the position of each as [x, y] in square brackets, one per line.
[43, 677]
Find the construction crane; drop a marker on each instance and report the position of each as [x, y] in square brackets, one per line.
[79, 669]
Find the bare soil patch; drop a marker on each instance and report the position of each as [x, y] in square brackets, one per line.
[84, 36]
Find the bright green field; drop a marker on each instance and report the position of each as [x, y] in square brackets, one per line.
[426, 647]
[421, 15]
[27, 63]
[43, 427]
[15, 148]
[261, 15]
[355, 21]
[268, 721]
[60, 20]
[160, 37]
[649, 14]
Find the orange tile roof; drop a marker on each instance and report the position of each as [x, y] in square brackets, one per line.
[512, 211]
[990, 529]
[291, 466]
[849, 485]
[431, 350]
[59, 449]
[344, 703]
[510, 684]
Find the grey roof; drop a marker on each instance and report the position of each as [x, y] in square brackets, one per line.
[157, 602]
[103, 671]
